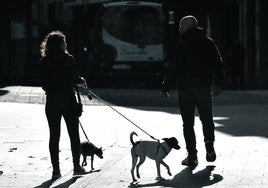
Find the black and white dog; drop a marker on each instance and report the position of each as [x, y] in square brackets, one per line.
[89, 149]
[154, 150]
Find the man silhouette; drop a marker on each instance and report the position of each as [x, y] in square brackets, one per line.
[199, 74]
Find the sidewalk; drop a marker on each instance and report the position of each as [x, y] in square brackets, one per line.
[241, 141]
[29, 94]
[121, 97]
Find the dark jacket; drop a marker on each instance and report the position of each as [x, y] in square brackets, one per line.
[58, 73]
[199, 63]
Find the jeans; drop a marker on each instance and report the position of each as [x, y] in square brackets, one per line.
[58, 106]
[189, 99]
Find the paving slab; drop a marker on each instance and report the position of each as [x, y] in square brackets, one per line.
[241, 143]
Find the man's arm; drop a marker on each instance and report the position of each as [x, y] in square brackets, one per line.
[217, 66]
[172, 69]
[169, 77]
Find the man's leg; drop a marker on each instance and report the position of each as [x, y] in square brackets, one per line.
[204, 106]
[187, 108]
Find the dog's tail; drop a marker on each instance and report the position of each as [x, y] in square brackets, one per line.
[131, 138]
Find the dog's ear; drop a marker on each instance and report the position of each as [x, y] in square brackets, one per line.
[174, 143]
[165, 139]
[100, 148]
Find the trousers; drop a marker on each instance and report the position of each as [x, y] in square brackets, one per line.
[58, 106]
[189, 99]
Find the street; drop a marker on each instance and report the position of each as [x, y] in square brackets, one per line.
[241, 140]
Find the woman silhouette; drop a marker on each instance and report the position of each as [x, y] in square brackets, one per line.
[58, 76]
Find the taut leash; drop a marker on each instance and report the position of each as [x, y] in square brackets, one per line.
[122, 115]
[96, 96]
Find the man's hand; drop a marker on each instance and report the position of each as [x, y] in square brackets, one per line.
[81, 80]
[216, 91]
[165, 94]
[164, 90]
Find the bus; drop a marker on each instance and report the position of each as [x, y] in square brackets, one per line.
[129, 41]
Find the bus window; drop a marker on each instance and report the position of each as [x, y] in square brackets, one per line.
[141, 25]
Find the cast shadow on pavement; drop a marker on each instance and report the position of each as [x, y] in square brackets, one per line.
[68, 183]
[48, 183]
[186, 178]
[241, 122]
[3, 92]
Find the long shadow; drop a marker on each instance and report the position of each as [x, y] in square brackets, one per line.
[186, 178]
[3, 92]
[68, 183]
[153, 100]
[136, 98]
[48, 183]
[247, 121]
[45, 184]
[244, 110]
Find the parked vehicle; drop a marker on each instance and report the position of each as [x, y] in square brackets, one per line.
[129, 41]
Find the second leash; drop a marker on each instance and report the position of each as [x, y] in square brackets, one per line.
[83, 129]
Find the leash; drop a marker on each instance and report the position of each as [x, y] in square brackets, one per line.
[80, 102]
[88, 139]
[122, 115]
[96, 96]
[83, 130]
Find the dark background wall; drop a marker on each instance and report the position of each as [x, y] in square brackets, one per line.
[28, 21]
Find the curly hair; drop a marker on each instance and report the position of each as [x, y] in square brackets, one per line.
[53, 44]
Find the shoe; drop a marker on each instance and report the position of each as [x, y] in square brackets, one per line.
[79, 171]
[55, 175]
[190, 161]
[211, 155]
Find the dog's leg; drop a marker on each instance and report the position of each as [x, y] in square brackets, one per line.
[142, 159]
[84, 163]
[134, 162]
[158, 170]
[167, 167]
[92, 159]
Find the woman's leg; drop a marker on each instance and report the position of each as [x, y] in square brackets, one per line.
[54, 121]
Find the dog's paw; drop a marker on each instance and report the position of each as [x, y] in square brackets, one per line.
[138, 176]
[169, 173]
[84, 164]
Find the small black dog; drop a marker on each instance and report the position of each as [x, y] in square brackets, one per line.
[88, 149]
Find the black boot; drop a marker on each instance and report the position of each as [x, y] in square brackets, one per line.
[211, 154]
[56, 174]
[190, 160]
[78, 170]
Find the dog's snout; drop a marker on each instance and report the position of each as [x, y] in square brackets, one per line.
[100, 156]
[176, 146]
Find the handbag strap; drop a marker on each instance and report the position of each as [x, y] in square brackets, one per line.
[78, 94]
